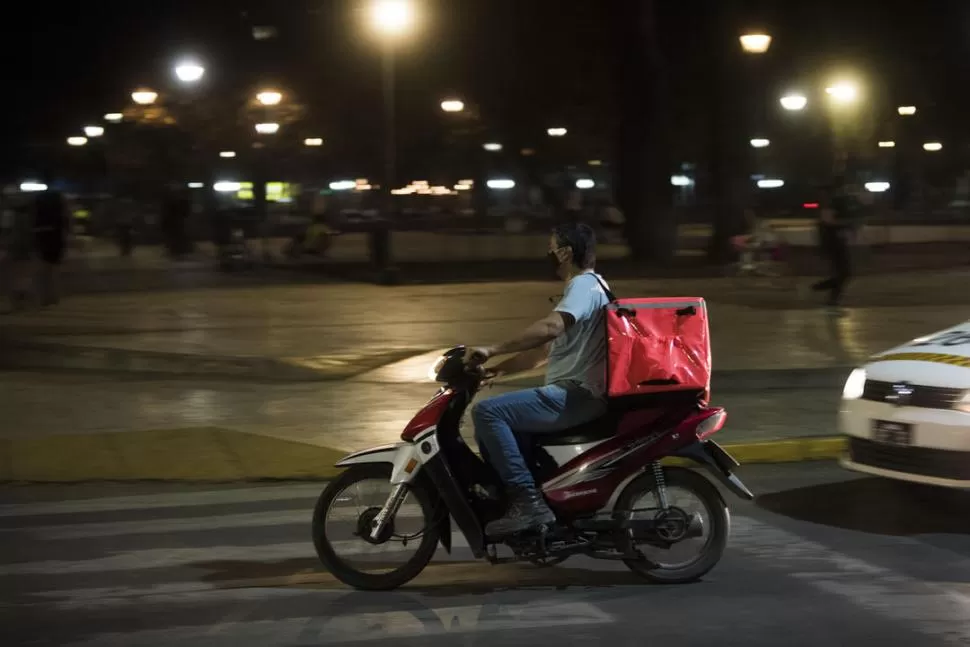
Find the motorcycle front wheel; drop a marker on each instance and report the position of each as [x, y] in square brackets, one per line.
[360, 561]
[688, 557]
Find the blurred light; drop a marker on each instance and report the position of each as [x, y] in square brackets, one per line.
[227, 154]
[189, 72]
[681, 180]
[770, 184]
[585, 183]
[932, 146]
[528, 152]
[755, 43]
[227, 187]
[452, 105]
[810, 205]
[77, 141]
[196, 185]
[760, 143]
[794, 101]
[887, 144]
[342, 185]
[462, 187]
[267, 129]
[501, 185]
[313, 141]
[493, 147]
[31, 186]
[93, 131]
[114, 117]
[557, 132]
[906, 111]
[877, 187]
[392, 17]
[144, 97]
[264, 32]
[843, 92]
[269, 97]
[596, 162]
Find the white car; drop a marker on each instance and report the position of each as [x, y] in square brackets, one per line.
[907, 412]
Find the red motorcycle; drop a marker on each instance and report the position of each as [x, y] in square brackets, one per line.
[604, 480]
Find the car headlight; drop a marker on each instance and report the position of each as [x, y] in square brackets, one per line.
[436, 368]
[963, 404]
[855, 385]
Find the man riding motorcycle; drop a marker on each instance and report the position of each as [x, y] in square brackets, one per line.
[571, 341]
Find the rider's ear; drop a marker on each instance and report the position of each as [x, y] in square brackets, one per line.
[564, 254]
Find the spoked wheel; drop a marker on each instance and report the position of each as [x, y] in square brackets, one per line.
[691, 533]
[342, 523]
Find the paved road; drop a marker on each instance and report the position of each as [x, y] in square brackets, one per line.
[823, 558]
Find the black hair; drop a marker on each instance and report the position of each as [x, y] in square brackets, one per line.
[581, 239]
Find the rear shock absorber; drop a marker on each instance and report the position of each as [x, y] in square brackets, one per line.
[661, 484]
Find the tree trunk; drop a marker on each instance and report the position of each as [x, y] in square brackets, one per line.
[643, 168]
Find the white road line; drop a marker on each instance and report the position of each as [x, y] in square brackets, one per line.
[153, 501]
[368, 627]
[931, 608]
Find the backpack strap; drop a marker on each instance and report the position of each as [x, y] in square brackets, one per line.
[609, 293]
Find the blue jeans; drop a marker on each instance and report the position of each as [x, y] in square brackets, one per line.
[543, 410]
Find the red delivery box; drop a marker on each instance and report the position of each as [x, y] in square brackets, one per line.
[657, 345]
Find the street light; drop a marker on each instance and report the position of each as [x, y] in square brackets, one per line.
[313, 141]
[32, 186]
[77, 141]
[794, 102]
[452, 105]
[585, 183]
[114, 117]
[189, 72]
[770, 184]
[227, 154]
[269, 97]
[932, 146]
[392, 17]
[906, 111]
[93, 131]
[492, 147]
[755, 43]
[843, 92]
[144, 97]
[760, 142]
[887, 144]
[270, 128]
[557, 132]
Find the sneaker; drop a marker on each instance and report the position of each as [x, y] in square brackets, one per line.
[527, 510]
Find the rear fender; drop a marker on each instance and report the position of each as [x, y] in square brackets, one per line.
[718, 462]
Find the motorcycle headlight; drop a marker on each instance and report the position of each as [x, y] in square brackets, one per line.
[855, 385]
[436, 368]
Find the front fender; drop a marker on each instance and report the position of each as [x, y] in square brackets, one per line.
[382, 454]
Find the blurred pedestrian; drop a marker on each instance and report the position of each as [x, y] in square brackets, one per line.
[16, 229]
[51, 225]
[835, 226]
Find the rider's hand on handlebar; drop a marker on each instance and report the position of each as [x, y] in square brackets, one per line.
[478, 356]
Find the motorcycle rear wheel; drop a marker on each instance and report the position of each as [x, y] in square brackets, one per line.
[717, 510]
[345, 572]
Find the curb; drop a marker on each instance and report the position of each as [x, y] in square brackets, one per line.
[212, 455]
[57, 356]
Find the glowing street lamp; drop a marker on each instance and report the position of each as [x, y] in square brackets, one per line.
[268, 128]
[557, 132]
[887, 144]
[144, 97]
[492, 147]
[93, 131]
[755, 43]
[77, 141]
[313, 141]
[906, 111]
[452, 105]
[392, 18]
[269, 97]
[760, 142]
[843, 92]
[227, 154]
[794, 102]
[114, 117]
[189, 72]
[932, 147]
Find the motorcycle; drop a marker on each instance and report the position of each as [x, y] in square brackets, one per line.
[612, 496]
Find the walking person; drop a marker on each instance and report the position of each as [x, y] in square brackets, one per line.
[835, 226]
[16, 229]
[51, 225]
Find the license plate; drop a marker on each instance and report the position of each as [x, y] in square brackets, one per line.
[892, 433]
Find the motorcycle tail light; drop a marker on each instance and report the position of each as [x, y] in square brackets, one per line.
[711, 425]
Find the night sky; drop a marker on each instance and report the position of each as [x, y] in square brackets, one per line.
[526, 63]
